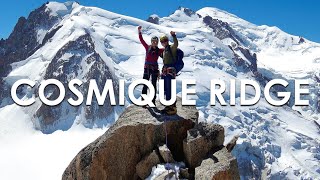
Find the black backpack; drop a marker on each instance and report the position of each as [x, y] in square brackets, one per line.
[178, 60]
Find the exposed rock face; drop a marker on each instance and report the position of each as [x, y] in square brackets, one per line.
[134, 135]
[23, 42]
[129, 149]
[153, 19]
[252, 58]
[5, 91]
[301, 40]
[184, 173]
[201, 140]
[221, 165]
[221, 29]
[189, 12]
[76, 59]
[166, 154]
[144, 167]
[82, 61]
[232, 143]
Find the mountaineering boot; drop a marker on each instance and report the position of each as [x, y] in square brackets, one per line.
[169, 110]
[172, 110]
[165, 110]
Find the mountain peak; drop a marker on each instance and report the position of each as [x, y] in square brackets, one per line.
[214, 10]
[61, 9]
[154, 18]
[189, 12]
[223, 16]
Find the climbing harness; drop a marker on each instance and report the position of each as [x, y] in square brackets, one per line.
[169, 71]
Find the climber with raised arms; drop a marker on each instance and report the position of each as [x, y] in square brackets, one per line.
[169, 69]
[151, 68]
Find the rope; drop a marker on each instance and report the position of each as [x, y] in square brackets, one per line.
[168, 166]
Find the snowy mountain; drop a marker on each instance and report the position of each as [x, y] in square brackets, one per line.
[66, 41]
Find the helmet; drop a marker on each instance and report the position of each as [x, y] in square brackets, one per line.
[164, 38]
[154, 38]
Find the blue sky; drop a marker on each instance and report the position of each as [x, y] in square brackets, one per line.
[293, 16]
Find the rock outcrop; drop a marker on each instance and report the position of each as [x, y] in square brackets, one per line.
[153, 19]
[83, 62]
[221, 29]
[166, 154]
[301, 40]
[189, 12]
[136, 143]
[220, 165]
[143, 167]
[201, 140]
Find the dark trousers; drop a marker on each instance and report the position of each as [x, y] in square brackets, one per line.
[167, 85]
[153, 73]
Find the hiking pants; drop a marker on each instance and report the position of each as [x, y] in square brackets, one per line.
[153, 73]
[167, 85]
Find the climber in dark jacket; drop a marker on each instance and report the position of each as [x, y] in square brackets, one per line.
[151, 68]
[168, 70]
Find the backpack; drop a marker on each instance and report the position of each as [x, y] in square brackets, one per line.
[178, 64]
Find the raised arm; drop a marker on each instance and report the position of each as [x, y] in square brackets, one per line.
[145, 45]
[175, 40]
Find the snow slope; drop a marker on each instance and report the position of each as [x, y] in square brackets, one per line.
[276, 49]
[275, 142]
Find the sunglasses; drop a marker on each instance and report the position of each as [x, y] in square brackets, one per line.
[164, 41]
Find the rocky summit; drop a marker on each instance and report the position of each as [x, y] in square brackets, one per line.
[137, 142]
